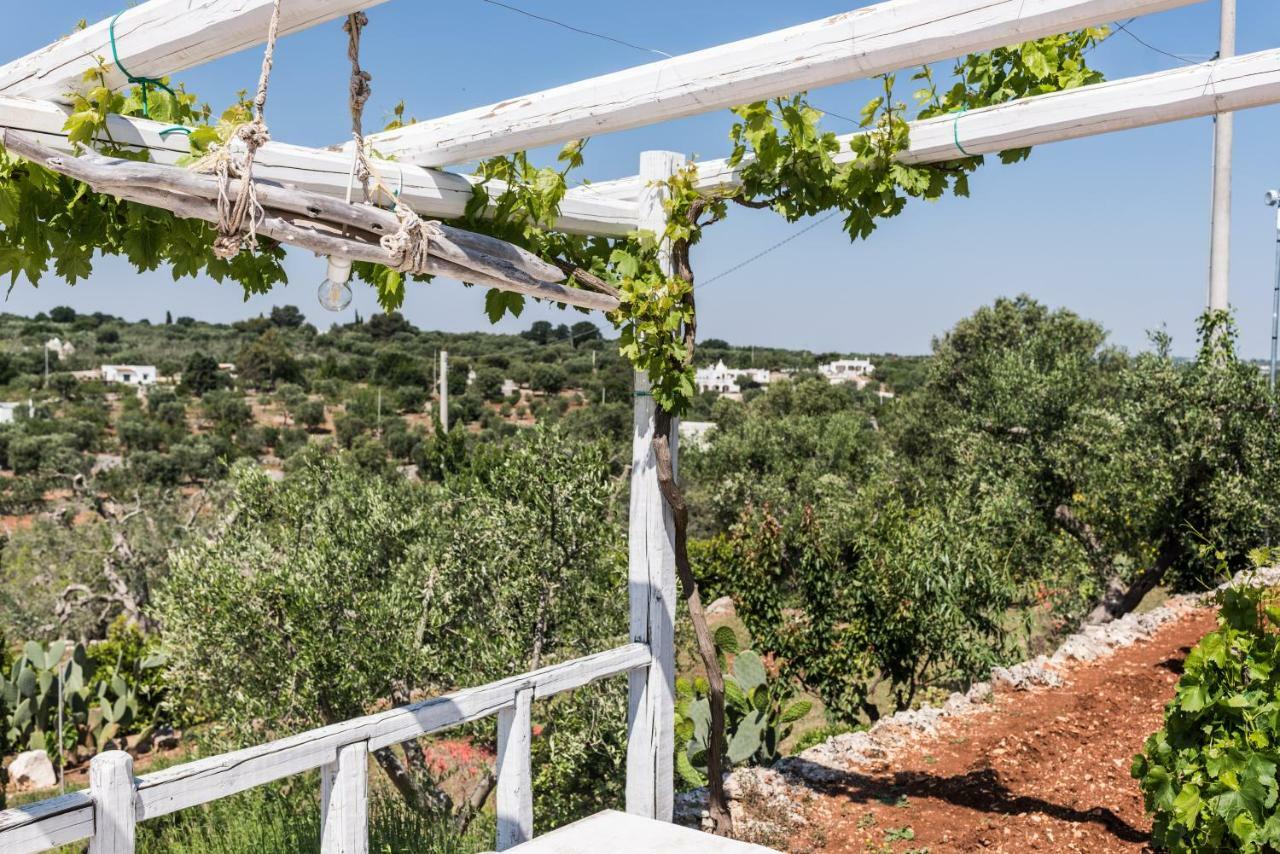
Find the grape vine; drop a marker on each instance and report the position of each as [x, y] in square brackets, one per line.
[786, 161]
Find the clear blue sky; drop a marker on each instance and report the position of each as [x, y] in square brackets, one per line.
[1113, 227]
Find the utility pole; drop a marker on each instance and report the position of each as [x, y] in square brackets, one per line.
[1273, 200]
[1220, 217]
[444, 390]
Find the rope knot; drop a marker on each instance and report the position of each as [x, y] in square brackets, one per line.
[410, 247]
[254, 135]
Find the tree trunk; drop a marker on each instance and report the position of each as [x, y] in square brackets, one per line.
[718, 807]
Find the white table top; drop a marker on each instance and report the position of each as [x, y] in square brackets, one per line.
[612, 832]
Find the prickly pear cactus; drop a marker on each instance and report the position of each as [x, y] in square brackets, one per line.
[759, 713]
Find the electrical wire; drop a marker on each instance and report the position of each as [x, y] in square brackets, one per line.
[1124, 28]
[557, 23]
[756, 257]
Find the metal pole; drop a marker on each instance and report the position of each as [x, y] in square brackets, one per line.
[1275, 308]
[444, 390]
[1223, 127]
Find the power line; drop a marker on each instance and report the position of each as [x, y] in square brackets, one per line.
[553, 21]
[736, 267]
[1124, 28]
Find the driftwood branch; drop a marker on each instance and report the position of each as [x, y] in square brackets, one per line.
[317, 223]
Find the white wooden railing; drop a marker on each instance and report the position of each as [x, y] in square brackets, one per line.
[108, 813]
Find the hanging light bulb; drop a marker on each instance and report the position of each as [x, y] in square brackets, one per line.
[334, 292]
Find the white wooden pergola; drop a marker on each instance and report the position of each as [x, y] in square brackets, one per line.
[163, 37]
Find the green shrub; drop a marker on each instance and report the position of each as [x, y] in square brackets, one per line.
[1209, 776]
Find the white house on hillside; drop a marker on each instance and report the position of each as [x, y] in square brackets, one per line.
[724, 380]
[847, 370]
[63, 349]
[129, 374]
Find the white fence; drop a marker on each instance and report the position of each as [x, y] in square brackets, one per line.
[108, 813]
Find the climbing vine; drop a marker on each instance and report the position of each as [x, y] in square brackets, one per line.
[785, 160]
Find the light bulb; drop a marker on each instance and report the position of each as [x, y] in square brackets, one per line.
[334, 293]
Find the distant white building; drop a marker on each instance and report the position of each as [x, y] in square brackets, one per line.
[63, 349]
[721, 379]
[9, 410]
[695, 434]
[129, 374]
[847, 370]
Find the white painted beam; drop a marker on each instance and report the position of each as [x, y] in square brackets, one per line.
[430, 192]
[1249, 80]
[857, 44]
[160, 38]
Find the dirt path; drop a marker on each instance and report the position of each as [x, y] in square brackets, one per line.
[1046, 770]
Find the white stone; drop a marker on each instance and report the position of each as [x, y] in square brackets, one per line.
[33, 770]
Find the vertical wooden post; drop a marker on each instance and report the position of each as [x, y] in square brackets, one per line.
[344, 801]
[651, 569]
[115, 811]
[515, 776]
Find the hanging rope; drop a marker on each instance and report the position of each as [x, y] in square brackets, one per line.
[144, 82]
[360, 89]
[238, 220]
[410, 246]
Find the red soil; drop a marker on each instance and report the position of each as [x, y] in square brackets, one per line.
[1045, 770]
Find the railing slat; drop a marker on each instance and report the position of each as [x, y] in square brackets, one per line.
[115, 806]
[59, 821]
[344, 801]
[515, 776]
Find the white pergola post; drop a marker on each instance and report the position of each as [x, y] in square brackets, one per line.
[651, 568]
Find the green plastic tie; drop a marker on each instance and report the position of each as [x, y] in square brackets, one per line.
[164, 134]
[955, 133]
[643, 394]
[144, 82]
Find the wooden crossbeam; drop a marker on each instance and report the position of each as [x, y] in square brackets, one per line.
[430, 192]
[1241, 82]
[858, 44]
[162, 37]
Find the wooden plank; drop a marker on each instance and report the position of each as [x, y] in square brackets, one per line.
[852, 45]
[1194, 91]
[446, 259]
[344, 801]
[115, 810]
[161, 38]
[651, 568]
[46, 824]
[515, 775]
[430, 192]
[217, 777]
[620, 833]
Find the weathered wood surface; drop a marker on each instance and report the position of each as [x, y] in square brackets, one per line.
[515, 774]
[161, 38]
[344, 802]
[37, 827]
[46, 824]
[115, 809]
[1242, 82]
[651, 574]
[852, 45]
[430, 192]
[448, 258]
